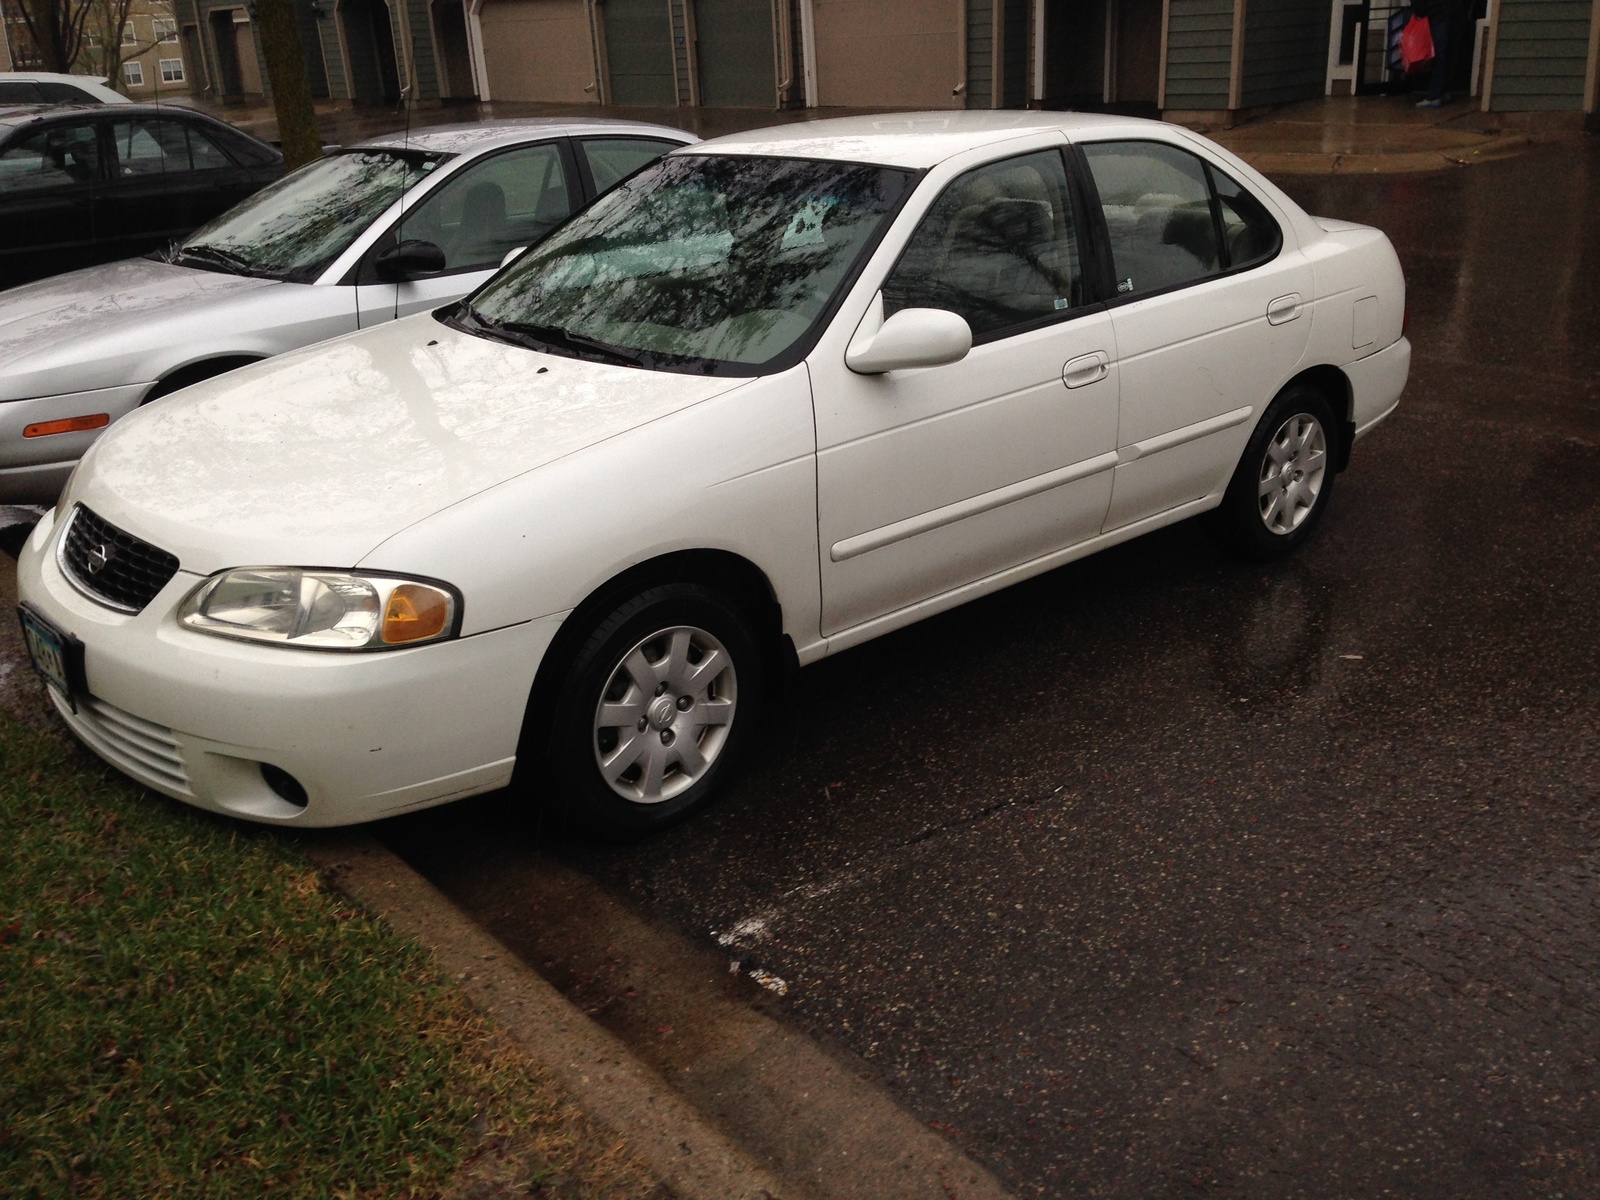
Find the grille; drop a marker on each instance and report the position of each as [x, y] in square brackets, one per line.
[111, 566]
[141, 748]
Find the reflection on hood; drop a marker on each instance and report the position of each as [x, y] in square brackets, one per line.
[50, 314]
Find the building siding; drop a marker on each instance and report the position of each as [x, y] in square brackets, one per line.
[333, 58]
[1199, 53]
[980, 53]
[1541, 55]
[1285, 51]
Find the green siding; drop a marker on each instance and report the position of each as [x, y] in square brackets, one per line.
[1285, 51]
[1199, 53]
[427, 60]
[333, 60]
[1541, 55]
[980, 53]
[311, 47]
[1014, 67]
[680, 52]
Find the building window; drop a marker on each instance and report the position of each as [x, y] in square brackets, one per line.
[133, 74]
[165, 30]
[172, 70]
[128, 37]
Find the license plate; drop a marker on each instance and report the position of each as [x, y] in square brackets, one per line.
[55, 654]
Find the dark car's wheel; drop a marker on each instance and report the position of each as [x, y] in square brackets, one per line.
[654, 708]
[1284, 481]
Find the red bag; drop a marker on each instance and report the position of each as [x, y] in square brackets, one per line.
[1416, 45]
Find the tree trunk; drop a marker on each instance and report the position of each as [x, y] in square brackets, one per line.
[291, 90]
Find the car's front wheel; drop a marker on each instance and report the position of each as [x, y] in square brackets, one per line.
[654, 708]
[1285, 478]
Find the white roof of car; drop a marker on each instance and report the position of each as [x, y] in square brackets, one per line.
[486, 135]
[915, 139]
[88, 83]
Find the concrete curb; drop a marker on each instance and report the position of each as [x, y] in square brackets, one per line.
[695, 1160]
[1290, 162]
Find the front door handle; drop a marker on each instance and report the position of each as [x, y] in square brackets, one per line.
[1283, 309]
[1086, 369]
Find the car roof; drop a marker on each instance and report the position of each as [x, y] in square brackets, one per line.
[487, 135]
[917, 139]
[92, 83]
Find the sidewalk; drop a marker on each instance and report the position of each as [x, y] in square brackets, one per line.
[1337, 135]
[1383, 134]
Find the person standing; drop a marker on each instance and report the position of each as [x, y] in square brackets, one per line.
[1446, 20]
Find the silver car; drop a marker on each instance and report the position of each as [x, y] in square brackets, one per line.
[376, 231]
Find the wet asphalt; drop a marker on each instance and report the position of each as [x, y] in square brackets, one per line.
[1164, 875]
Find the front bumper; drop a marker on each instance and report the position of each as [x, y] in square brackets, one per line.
[366, 735]
[33, 470]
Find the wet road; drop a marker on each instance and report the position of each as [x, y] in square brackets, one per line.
[1165, 876]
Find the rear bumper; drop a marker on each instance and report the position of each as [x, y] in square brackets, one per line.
[1376, 382]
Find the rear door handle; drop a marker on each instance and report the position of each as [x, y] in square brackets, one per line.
[1086, 369]
[1283, 309]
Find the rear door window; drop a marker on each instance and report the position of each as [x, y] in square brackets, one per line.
[20, 91]
[611, 160]
[1157, 206]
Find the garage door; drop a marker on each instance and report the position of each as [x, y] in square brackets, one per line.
[734, 43]
[639, 52]
[889, 53]
[538, 50]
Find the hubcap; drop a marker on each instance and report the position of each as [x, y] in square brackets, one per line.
[1292, 471]
[665, 714]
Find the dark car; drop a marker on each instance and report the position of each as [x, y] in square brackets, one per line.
[81, 185]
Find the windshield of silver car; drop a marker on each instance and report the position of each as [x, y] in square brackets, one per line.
[296, 227]
[714, 263]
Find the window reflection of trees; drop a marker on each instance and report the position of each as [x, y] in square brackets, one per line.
[300, 224]
[712, 258]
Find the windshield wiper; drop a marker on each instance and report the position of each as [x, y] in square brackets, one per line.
[532, 335]
[217, 256]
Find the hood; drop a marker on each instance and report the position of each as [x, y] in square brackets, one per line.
[315, 457]
[69, 333]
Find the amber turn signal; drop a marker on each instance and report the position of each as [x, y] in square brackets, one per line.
[415, 612]
[67, 425]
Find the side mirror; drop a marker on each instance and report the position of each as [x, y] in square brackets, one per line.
[511, 255]
[912, 337]
[408, 260]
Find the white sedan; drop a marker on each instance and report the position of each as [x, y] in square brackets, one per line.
[778, 394]
[396, 225]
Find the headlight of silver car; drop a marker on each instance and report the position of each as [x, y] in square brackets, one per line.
[321, 610]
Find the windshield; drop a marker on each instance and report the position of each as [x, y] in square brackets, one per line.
[297, 226]
[701, 262]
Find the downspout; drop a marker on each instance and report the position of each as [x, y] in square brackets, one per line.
[1236, 61]
[1161, 80]
[1590, 82]
[782, 47]
[1491, 52]
[808, 51]
[597, 52]
[1038, 54]
[480, 65]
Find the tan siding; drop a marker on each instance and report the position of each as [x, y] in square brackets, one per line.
[537, 50]
[889, 53]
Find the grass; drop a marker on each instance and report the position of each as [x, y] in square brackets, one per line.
[185, 1010]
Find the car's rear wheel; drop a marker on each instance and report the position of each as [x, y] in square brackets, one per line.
[654, 708]
[1284, 480]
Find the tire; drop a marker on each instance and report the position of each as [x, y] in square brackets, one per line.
[1284, 480]
[653, 711]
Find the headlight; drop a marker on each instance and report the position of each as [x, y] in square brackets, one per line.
[321, 610]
